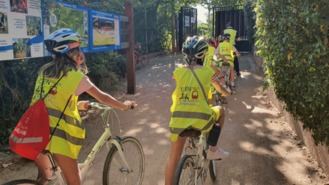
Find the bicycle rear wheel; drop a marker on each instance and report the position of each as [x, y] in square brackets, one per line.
[116, 172]
[22, 182]
[185, 173]
[212, 170]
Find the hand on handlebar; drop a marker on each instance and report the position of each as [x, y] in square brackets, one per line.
[83, 105]
[129, 104]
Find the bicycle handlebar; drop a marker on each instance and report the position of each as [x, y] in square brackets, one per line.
[99, 106]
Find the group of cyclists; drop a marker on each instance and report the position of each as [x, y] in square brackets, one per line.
[190, 108]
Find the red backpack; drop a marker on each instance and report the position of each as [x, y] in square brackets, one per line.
[31, 134]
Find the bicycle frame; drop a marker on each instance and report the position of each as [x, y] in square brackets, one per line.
[201, 162]
[106, 137]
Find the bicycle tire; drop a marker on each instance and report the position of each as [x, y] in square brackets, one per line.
[185, 163]
[212, 170]
[22, 182]
[121, 173]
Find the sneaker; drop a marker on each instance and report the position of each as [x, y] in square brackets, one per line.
[217, 155]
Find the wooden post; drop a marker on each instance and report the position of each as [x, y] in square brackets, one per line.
[131, 65]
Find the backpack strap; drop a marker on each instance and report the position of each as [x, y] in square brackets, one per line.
[53, 86]
[198, 80]
[60, 117]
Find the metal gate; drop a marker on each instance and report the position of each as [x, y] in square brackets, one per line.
[236, 17]
[187, 24]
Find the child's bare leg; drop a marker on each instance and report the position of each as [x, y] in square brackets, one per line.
[45, 168]
[174, 156]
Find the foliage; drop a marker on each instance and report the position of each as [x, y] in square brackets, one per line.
[17, 80]
[250, 18]
[292, 37]
[203, 29]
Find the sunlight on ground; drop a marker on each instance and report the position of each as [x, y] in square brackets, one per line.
[133, 132]
[259, 110]
[246, 105]
[250, 147]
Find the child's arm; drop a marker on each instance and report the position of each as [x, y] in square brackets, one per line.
[107, 99]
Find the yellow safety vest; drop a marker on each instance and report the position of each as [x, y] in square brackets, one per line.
[70, 133]
[189, 108]
[226, 49]
[232, 33]
[209, 57]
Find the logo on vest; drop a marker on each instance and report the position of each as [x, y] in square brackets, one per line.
[53, 91]
[188, 94]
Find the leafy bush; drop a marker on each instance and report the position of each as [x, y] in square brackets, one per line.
[292, 37]
[17, 82]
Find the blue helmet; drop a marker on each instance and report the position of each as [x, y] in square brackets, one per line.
[57, 42]
[195, 48]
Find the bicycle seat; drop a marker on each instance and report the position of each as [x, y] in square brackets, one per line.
[190, 132]
[226, 64]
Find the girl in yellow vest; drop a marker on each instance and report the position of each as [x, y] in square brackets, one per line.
[226, 49]
[68, 70]
[190, 108]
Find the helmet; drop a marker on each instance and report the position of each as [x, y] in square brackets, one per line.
[194, 48]
[226, 36]
[58, 41]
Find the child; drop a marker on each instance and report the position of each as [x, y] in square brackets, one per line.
[190, 108]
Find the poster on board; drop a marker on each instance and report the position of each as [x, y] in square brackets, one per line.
[105, 30]
[63, 15]
[20, 29]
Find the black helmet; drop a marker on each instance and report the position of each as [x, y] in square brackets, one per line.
[226, 36]
[194, 49]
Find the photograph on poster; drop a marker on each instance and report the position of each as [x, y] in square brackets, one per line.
[3, 23]
[65, 17]
[103, 31]
[21, 49]
[18, 6]
[33, 25]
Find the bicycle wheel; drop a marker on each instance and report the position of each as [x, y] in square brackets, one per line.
[185, 173]
[115, 171]
[22, 182]
[212, 170]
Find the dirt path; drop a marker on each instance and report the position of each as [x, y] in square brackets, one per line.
[263, 148]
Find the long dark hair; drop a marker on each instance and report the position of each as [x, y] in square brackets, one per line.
[61, 65]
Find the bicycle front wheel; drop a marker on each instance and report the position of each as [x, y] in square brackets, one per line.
[22, 182]
[116, 172]
[186, 171]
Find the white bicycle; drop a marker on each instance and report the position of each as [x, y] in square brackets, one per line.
[193, 167]
[124, 163]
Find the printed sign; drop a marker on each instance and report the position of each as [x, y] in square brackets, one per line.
[20, 29]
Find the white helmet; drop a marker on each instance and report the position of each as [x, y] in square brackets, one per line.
[57, 42]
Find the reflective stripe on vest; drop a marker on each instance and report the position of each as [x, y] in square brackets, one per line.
[68, 119]
[191, 115]
[66, 136]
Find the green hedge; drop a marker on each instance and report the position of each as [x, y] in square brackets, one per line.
[17, 82]
[292, 37]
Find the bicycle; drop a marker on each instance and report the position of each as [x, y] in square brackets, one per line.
[117, 169]
[224, 79]
[193, 166]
